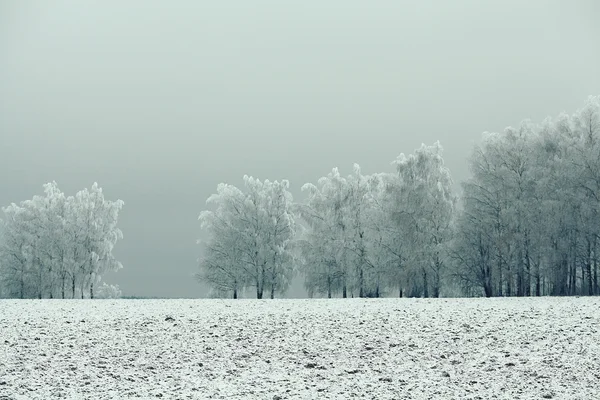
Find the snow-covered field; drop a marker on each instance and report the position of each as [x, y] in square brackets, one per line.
[301, 349]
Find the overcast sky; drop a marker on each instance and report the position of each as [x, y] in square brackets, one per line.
[159, 101]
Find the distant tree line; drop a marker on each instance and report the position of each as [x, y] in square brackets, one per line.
[57, 246]
[530, 222]
[525, 223]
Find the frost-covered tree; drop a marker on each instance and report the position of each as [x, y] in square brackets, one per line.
[222, 262]
[371, 233]
[426, 212]
[53, 240]
[250, 240]
[323, 243]
[367, 281]
[530, 220]
[95, 234]
[387, 220]
[337, 246]
[15, 266]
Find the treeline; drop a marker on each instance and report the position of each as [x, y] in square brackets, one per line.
[58, 246]
[526, 223]
[530, 222]
[355, 236]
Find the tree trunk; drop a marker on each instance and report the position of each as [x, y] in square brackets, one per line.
[344, 291]
[488, 287]
[544, 287]
[589, 268]
[574, 267]
[500, 280]
[91, 285]
[582, 289]
[566, 276]
[235, 293]
[527, 270]
[488, 284]
[487, 290]
[573, 272]
[360, 283]
[425, 284]
[262, 282]
[259, 290]
[436, 279]
[537, 276]
[520, 279]
[328, 286]
[596, 289]
[73, 287]
[508, 280]
[272, 292]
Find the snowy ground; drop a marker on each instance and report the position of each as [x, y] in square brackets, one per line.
[301, 349]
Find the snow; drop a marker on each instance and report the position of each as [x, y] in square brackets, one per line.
[301, 349]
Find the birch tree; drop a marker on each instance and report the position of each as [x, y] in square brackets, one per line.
[53, 240]
[323, 244]
[532, 206]
[250, 241]
[427, 211]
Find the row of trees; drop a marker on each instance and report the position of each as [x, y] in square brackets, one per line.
[528, 223]
[369, 234]
[360, 235]
[58, 246]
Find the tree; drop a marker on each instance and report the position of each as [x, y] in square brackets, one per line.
[96, 233]
[364, 230]
[530, 220]
[337, 247]
[323, 243]
[250, 238]
[52, 239]
[15, 253]
[222, 262]
[358, 237]
[426, 212]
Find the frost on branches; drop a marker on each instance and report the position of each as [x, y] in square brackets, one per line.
[527, 223]
[250, 238]
[54, 246]
[368, 235]
[530, 223]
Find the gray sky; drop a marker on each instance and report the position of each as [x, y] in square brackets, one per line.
[159, 101]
